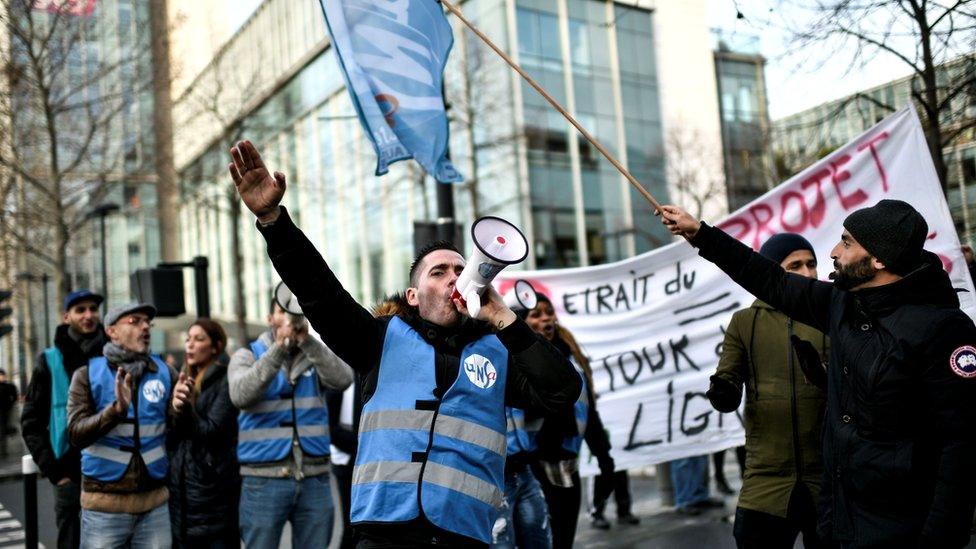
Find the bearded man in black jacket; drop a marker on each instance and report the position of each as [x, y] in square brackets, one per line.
[429, 469]
[898, 443]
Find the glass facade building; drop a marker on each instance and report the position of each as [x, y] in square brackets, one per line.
[740, 73]
[521, 160]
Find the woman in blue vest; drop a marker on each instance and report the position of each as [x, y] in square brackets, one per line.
[204, 482]
[430, 462]
[557, 467]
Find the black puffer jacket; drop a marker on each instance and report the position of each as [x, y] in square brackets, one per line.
[204, 480]
[899, 441]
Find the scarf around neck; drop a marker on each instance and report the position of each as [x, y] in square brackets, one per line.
[131, 362]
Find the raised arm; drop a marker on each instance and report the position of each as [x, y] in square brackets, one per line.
[803, 299]
[345, 326]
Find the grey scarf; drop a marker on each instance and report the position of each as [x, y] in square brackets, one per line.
[131, 362]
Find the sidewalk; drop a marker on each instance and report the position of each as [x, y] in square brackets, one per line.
[661, 526]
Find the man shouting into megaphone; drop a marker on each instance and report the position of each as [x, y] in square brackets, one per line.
[430, 467]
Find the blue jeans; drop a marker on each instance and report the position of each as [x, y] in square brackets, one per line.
[688, 477]
[524, 517]
[150, 530]
[267, 503]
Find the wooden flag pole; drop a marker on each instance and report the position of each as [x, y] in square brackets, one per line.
[633, 181]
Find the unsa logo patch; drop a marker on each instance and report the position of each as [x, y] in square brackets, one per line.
[153, 390]
[481, 372]
[963, 361]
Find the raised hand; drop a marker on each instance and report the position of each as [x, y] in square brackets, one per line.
[181, 393]
[123, 391]
[679, 222]
[259, 190]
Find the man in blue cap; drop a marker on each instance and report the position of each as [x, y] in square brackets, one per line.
[44, 421]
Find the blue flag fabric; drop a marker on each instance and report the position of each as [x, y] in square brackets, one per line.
[392, 55]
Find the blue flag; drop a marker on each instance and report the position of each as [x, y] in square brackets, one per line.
[392, 55]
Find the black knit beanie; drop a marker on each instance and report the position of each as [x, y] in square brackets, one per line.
[892, 231]
[781, 245]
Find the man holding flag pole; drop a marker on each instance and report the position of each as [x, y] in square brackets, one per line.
[898, 442]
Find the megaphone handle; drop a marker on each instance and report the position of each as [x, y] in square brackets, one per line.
[473, 302]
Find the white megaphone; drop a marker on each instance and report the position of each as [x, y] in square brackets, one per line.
[521, 296]
[289, 303]
[497, 244]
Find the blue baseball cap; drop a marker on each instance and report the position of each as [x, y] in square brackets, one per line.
[78, 296]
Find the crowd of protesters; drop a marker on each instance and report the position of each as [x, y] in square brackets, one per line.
[440, 430]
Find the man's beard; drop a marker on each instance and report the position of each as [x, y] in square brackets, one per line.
[853, 274]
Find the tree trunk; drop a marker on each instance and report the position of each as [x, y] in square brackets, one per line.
[166, 191]
[931, 96]
[240, 308]
[62, 237]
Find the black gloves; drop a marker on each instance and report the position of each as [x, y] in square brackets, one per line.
[724, 395]
[814, 370]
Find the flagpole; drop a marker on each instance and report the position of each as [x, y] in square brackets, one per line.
[555, 104]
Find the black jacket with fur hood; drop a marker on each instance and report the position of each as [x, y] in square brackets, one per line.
[539, 378]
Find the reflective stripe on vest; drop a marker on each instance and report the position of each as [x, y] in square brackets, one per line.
[521, 434]
[451, 451]
[108, 458]
[57, 425]
[268, 428]
[582, 412]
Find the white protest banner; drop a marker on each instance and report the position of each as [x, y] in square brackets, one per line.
[653, 325]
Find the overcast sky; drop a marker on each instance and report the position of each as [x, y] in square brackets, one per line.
[793, 83]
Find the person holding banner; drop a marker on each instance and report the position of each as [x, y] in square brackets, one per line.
[899, 443]
[967, 254]
[783, 415]
[557, 467]
[430, 463]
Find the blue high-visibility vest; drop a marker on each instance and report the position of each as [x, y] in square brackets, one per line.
[582, 412]
[521, 434]
[443, 457]
[107, 459]
[267, 429]
[57, 424]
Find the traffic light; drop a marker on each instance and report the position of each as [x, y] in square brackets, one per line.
[5, 313]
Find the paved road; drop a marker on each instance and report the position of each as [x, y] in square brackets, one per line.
[660, 527]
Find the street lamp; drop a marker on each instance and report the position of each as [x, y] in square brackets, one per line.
[101, 212]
